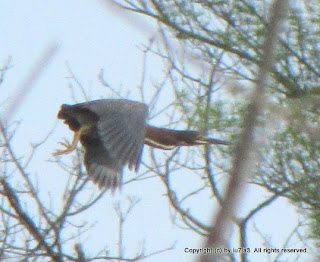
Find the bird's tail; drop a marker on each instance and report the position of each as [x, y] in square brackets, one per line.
[164, 138]
[208, 140]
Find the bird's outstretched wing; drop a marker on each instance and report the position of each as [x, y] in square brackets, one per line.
[103, 168]
[121, 127]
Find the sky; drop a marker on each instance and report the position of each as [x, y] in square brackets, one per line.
[87, 36]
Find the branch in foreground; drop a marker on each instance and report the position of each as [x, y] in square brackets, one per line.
[26, 220]
[219, 234]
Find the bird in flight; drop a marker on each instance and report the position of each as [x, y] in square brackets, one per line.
[113, 133]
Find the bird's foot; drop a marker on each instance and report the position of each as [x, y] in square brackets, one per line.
[68, 148]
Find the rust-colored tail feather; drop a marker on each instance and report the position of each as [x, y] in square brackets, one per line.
[208, 140]
[164, 138]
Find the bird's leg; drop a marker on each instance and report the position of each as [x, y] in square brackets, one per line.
[69, 147]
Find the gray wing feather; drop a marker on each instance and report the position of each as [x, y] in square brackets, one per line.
[103, 169]
[121, 127]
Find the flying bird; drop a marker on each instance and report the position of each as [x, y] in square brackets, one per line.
[113, 133]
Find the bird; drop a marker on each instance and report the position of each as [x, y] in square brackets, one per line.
[113, 133]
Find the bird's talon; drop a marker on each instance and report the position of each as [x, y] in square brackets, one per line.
[64, 144]
[61, 152]
[68, 148]
[57, 153]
